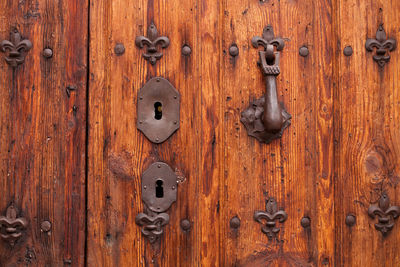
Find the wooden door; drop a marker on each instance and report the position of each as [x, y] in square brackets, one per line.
[72, 157]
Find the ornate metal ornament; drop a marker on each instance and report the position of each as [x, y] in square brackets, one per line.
[268, 40]
[158, 110]
[265, 118]
[15, 49]
[382, 45]
[159, 188]
[152, 42]
[11, 227]
[153, 225]
[270, 215]
[386, 214]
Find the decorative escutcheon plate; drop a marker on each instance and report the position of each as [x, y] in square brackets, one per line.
[158, 110]
[159, 187]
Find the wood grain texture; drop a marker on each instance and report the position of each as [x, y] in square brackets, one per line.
[119, 153]
[297, 169]
[340, 154]
[42, 160]
[226, 173]
[366, 133]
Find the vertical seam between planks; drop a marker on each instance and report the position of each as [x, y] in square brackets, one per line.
[221, 151]
[200, 143]
[87, 133]
[335, 93]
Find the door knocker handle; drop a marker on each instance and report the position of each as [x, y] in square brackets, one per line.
[265, 118]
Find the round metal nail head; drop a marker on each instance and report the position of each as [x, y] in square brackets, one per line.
[303, 51]
[185, 225]
[234, 222]
[47, 53]
[119, 49]
[348, 51]
[350, 220]
[186, 50]
[45, 226]
[305, 222]
[233, 50]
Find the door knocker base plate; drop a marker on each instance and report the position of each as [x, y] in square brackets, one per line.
[251, 117]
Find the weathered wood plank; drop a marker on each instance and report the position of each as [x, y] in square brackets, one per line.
[296, 170]
[117, 149]
[209, 60]
[366, 133]
[42, 132]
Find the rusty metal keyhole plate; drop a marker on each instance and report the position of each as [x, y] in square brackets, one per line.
[158, 110]
[159, 177]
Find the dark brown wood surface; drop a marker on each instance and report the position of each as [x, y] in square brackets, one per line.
[340, 154]
[42, 147]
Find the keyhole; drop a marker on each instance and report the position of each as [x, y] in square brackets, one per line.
[159, 189]
[157, 111]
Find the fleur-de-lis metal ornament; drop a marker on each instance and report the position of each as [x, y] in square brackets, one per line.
[153, 226]
[152, 41]
[386, 214]
[268, 40]
[382, 45]
[270, 216]
[11, 227]
[15, 49]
